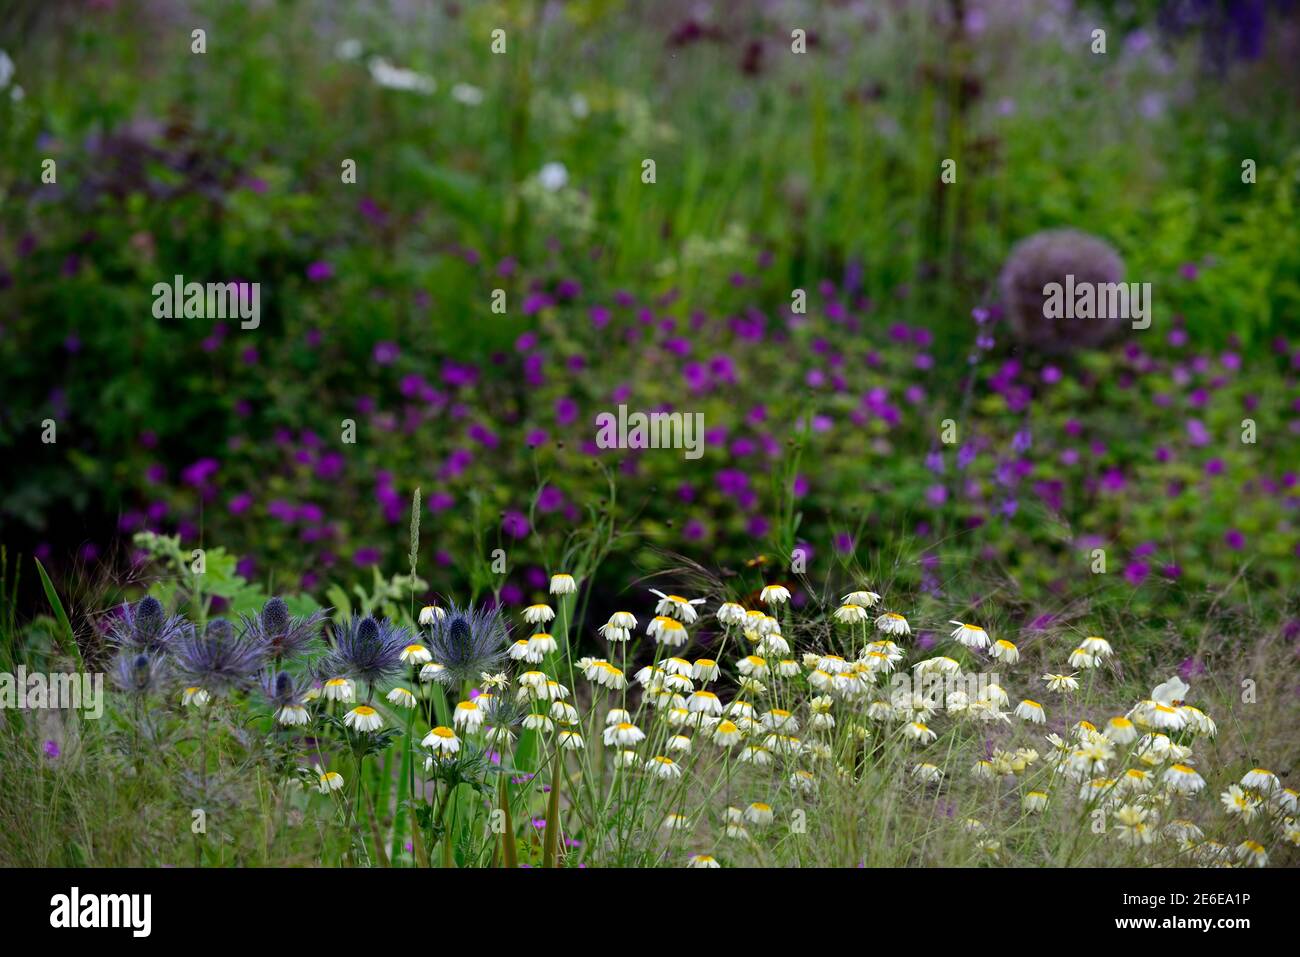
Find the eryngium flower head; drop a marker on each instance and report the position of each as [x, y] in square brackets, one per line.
[146, 627]
[284, 635]
[282, 691]
[219, 660]
[1048, 257]
[138, 672]
[467, 642]
[366, 649]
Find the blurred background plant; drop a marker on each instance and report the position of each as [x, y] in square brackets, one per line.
[775, 172]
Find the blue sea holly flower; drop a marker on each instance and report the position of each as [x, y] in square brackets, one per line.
[146, 627]
[218, 661]
[283, 635]
[366, 649]
[466, 643]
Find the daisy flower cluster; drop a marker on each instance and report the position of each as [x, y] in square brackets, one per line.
[715, 741]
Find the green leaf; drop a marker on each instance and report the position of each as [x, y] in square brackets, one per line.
[52, 597]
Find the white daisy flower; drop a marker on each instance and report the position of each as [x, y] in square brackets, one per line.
[1030, 711]
[677, 606]
[363, 718]
[1183, 779]
[972, 636]
[401, 697]
[441, 740]
[539, 614]
[339, 689]
[892, 623]
[416, 654]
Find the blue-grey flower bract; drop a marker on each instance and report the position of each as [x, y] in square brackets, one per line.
[218, 661]
[466, 642]
[366, 649]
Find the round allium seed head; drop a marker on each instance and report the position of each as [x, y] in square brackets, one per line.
[275, 617]
[1049, 257]
[368, 630]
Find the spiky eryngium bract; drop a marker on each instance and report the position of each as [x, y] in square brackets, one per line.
[146, 627]
[219, 660]
[284, 635]
[281, 690]
[139, 672]
[366, 649]
[467, 642]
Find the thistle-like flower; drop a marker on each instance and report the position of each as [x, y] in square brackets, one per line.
[219, 660]
[366, 649]
[146, 627]
[283, 635]
[286, 697]
[467, 642]
[138, 673]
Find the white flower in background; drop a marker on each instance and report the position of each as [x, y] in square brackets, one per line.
[850, 614]
[1260, 779]
[416, 654]
[431, 613]
[678, 607]
[467, 94]
[1035, 801]
[467, 716]
[1030, 711]
[1252, 853]
[441, 740]
[563, 584]
[1135, 826]
[364, 719]
[398, 78]
[6, 69]
[624, 733]
[1183, 779]
[1061, 682]
[730, 613]
[1003, 650]
[972, 636]
[1098, 647]
[1237, 803]
[430, 671]
[578, 106]
[892, 623]
[864, 599]
[329, 781]
[1121, 730]
[1171, 692]
[349, 49]
[401, 697]
[539, 614]
[553, 177]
